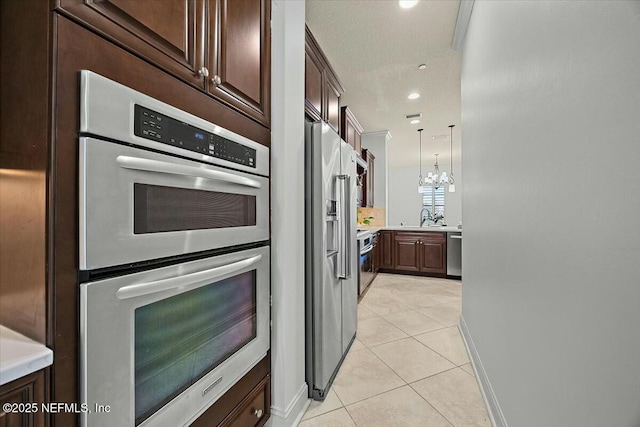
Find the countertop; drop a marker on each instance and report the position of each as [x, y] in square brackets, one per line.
[20, 356]
[447, 229]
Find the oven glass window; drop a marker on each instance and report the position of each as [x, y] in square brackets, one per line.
[180, 339]
[160, 209]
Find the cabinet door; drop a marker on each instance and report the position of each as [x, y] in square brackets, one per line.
[26, 390]
[369, 180]
[406, 254]
[168, 33]
[376, 257]
[350, 128]
[312, 84]
[239, 55]
[332, 102]
[433, 253]
[386, 249]
[254, 410]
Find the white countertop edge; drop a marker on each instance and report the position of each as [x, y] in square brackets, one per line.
[20, 356]
[447, 229]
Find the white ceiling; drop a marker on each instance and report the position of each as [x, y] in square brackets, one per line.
[375, 48]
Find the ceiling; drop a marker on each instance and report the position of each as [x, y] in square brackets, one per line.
[375, 48]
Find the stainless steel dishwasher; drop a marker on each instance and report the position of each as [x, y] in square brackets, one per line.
[454, 254]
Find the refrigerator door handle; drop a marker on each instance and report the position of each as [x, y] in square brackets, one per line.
[341, 272]
[346, 186]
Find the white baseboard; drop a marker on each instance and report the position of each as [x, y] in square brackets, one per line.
[291, 416]
[495, 412]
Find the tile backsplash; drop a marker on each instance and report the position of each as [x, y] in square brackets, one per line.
[378, 215]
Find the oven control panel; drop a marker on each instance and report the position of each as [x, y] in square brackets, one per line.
[158, 127]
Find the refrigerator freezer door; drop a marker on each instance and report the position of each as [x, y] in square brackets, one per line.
[327, 288]
[350, 283]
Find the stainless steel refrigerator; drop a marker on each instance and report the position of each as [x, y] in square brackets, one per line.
[331, 258]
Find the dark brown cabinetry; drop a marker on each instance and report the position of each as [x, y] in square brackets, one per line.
[376, 254]
[219, 46]
[26, 395]
[385, 240]
[406, 251]
[350, 129]
[253, 410]
[166, 33]
[246, 404]
[433, 253]
[322, 87]
[422, 253]
[239, 55]
[368, 179]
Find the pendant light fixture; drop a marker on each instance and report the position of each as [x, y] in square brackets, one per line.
[436, 178]
[452, 181]
[420, 179]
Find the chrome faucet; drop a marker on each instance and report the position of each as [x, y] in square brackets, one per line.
[422, 217]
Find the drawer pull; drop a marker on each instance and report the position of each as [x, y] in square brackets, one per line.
[258, 413]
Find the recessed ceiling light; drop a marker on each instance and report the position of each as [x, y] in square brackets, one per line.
[407, 4]
[414, 122]
[413, 95]
[422, 66]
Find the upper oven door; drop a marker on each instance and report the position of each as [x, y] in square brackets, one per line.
[138, 205]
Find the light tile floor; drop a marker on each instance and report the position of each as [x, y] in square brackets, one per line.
[408, 365]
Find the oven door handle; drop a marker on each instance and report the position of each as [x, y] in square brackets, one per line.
[137, 163]
[186, 281]
[366, 251]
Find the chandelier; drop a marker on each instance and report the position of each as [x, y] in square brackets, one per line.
[436, 178]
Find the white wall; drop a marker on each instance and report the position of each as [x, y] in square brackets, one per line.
[405, 203]
[551, 290]
[377, 143]
[289, 390]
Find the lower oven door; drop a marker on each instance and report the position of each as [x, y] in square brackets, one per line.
[366, 269]
[159, 347]
[138, 205]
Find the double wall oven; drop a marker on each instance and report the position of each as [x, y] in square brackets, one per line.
[174, 258]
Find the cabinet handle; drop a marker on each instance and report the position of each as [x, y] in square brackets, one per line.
[203, 73]
[258, 413]
[216, 80]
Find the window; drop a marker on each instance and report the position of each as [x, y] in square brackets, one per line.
[431, 195]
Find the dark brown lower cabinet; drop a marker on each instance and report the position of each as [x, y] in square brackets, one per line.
[26, 395]
[246, 404]
[385, 242]
[433, 253]
[254, 409]
[406, 250]
[376, 255]
[421, 253]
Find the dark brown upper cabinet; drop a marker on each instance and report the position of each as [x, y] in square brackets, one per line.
[322, 86]
[166, 33]
[368, 179]
[221, 47]
[350, 129]
[239, 55]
